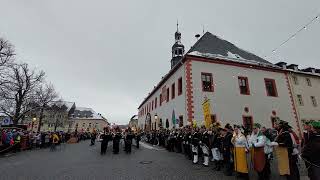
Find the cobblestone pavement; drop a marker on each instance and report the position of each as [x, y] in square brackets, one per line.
[82, 162]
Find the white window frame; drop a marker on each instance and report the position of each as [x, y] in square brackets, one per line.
[300, 100]
[314, 101]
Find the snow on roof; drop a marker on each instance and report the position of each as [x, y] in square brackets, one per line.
[231, 57]
[69, 105]
[86, 113]
[211, 44]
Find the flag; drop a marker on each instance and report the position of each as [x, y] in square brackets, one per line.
[206, 112]
[173, 118]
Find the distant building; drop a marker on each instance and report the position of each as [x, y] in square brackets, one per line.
[55, 117]
[86, 119]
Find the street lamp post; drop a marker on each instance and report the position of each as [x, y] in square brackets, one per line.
[33, 121]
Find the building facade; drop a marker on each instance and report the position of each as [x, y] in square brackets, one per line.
[241, 87]
[305, 90]
[86, 120]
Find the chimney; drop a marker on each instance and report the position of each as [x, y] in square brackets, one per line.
[283, 65]
[293, 67]
[310, 69]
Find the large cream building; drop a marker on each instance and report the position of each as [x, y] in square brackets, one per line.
[242, 88]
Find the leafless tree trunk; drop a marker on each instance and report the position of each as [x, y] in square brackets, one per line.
[17, 95]
[44, 95]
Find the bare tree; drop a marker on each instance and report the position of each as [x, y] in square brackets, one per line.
[58, 112]
[6, 52]
[44, 95]
[6, 58]
[17, 94]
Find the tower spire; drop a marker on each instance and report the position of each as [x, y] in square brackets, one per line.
[202, 28]
[177, 25]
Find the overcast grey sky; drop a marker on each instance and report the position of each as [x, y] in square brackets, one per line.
[109, 54]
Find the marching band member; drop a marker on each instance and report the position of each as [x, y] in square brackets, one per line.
[116, 140]
[205, 143]
[217, 147]
[195, 144]
[187, 142]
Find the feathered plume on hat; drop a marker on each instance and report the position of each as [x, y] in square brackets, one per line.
[257, 125]
[307, 122]
[315, 124]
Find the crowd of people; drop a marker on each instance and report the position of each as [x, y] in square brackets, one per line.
[239, 151]
[16, 139]
[236, 150]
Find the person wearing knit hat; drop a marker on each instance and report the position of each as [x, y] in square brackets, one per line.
[256, 143]
[310, 152]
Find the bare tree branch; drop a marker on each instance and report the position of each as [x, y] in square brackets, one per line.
[17, 95]
[44, 95]
[6, 59]
[6, 52]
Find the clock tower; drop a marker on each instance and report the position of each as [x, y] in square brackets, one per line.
[177, 48]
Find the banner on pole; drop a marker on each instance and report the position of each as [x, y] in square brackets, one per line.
[206, 112]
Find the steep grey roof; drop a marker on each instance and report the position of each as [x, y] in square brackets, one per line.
[69, 105]
[213, 45]
[86, 113]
